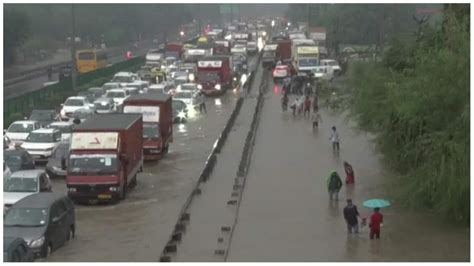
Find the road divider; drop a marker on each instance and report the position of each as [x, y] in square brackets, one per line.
[168, 251]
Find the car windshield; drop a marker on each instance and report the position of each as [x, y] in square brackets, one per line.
[74, 102]
[20, 128]
[180, 81]
[102, 106]
[18, 184]
[41, 116]
[61, 151]
[110, 86]
[115, 94]
[178, 105]
[62, 128]
[308, 62]
[183, 94]
[123, 79]
[331, 63]
[209, 76]
[188, 87]
[40, 137]
[97, 164]
[26, 217]
[151, 131]
[268, 54]
[13, 160]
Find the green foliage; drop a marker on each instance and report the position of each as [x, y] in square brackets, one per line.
[416, 101]
[15, 34]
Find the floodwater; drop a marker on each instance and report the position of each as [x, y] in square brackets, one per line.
[286, 215]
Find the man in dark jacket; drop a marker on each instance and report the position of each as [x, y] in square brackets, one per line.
[334, 184]
[350, 215]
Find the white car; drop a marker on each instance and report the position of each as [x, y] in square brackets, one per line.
[41, 142]
[22, 184]
[323, 73]
[187, 97]
[72, 104]
[118, 95]
[331, 63]
[64, 127]
[125, 77]
[18, 131]
[161, 88]
[111, 85]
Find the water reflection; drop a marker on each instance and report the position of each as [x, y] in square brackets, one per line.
[182, 128]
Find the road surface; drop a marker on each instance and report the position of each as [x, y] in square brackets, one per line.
[285, 213]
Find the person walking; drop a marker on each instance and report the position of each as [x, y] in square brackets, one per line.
[202, 102]
[376, 220]
[349, 173]
[294, 105]
[307, 106]
[334, 184]
[351, 215]
[316, 118]
[334, 139]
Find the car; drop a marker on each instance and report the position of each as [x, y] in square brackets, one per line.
[192, 87]
[90, 97]
[18, 159]
[18, 131]
[6, 171]
[57, 164]
[180, 111]
[65, 127]
[110, 85]
[281, 71]
[140, 86]
[125, 77]
[104, 106]
[46, 221]
[117, 95]
[44, 117]
[187, 97]
[72, 104]
[83, 114]
[6, 143]
[336, 69]
[161, 88]
[96, 91]
[41, 142]
[15, 249]
[131, 90]
[180, 80]
[323, 73]
[252, 47]
[24, 183]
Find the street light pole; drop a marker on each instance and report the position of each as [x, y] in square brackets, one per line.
[73, 49]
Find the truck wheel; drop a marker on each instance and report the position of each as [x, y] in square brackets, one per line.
[165, 150]
[134, 182]
[123, 193]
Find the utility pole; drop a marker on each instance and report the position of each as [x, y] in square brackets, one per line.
[73, 49]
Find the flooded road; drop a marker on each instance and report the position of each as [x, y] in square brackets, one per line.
[137, 229]
[285, 213]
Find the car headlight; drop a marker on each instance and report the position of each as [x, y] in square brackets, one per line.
[235, 78]
[114, 189]
[72, 189]
[217, 87]
[63, 113]
[37, 242]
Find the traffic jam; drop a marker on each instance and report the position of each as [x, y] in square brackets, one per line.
[99, 142]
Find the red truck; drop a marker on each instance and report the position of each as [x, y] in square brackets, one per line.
[156, 109]
[214, 74]
[284, 50]
[174, 50]
[105, 157]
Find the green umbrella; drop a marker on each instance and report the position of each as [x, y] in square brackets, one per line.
[376, 203]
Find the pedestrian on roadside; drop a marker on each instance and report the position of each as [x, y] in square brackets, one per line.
[351, 216]
[307, 106]
[334, 184]
[316, 118]
[202, 102]
[315, 103]
[349, 173]
[334, 139]
[294, 105]
[376, 220]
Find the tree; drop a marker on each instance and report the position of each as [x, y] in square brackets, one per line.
[15, 33]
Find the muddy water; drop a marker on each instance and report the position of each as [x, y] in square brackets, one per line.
[286, 215]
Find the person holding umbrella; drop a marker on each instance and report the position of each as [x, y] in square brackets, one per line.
[376, 219]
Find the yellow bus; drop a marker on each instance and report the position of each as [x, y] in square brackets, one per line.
[90, 60]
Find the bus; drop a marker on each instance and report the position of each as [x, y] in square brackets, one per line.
[90, 60]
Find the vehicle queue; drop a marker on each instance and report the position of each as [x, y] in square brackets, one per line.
[99, 139]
